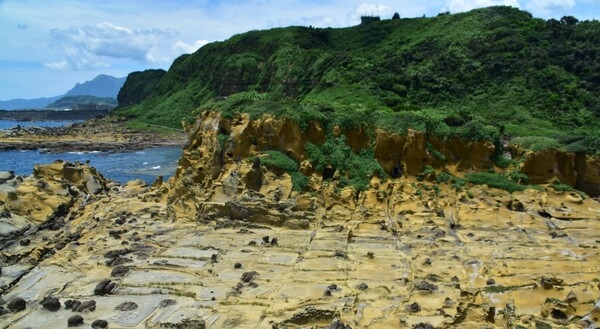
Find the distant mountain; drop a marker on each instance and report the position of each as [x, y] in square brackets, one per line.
[34, 103]
[101, 86]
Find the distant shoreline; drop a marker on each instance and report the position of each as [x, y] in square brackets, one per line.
[107, 134]
[50, 115]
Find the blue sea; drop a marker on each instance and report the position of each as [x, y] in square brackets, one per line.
[122, 167]
[8, 124]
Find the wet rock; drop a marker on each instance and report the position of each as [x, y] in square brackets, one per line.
[126, 306]
[249, 276]
[104, 287]
[213, 258]
[75, 321]
[237, 265]
[17, 304]
[72, 304]
[490, 281]
[426, 286]
[274, 242]
[99, 324]
[88, 305]
[119, 271]
[265, 239]
[117, 253]
[50, 303]
[118, 261]
[414, 307]
[362, 286]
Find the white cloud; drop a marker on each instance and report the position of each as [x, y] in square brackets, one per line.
[183, 47]
[455, 6]
[85, 46]
[58, 66]
[371, 9]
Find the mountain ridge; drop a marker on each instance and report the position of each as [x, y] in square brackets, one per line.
[101, 86]
[489, 73]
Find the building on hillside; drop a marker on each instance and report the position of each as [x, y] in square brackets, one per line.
[369, 19]
[91, 107]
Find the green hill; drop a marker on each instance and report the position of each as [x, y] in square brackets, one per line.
[485, 74]
[70, 101]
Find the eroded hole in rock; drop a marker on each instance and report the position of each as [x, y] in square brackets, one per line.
[396, 171]
[558, 314]
[328, 173]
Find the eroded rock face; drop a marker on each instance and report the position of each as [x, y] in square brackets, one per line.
[214, 248]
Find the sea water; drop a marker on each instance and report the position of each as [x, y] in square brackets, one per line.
[8, 124]
[121, 167]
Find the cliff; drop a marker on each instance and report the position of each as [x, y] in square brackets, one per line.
[492, 73]
[254, 230]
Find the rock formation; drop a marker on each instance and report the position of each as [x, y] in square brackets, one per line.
[228, 243]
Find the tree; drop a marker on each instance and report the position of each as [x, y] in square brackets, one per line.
[569, 20]
[396, 16]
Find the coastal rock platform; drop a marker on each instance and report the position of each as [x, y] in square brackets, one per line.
[231, 244]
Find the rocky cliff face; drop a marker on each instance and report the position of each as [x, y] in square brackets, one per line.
[228, 243]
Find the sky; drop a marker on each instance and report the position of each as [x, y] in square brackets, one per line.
[47, 46]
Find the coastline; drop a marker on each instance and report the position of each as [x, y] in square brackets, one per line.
[109, 134]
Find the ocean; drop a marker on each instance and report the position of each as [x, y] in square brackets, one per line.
[8, 124]
[121, 167]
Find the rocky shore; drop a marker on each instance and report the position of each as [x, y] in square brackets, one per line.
[227, 243]
[101, 134]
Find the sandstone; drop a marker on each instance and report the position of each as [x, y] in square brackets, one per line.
[403, 253]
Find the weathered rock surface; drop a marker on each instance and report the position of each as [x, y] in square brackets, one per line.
[401, 254]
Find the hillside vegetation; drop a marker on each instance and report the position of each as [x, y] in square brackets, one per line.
[70, 101]
[485, 74]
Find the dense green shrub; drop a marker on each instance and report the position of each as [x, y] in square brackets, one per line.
[279, 160]
[494, 180]
[355, 170]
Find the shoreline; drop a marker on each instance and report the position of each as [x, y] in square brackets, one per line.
[107, 134]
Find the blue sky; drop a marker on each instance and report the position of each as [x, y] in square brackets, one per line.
[47, 46]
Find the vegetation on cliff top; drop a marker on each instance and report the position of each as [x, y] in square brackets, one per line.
[482, 74]
[70, 101]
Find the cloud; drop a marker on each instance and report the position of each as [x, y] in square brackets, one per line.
[455, 6]
[370, 9]
[545, 7]
[186, 48]
[86, 45]
[22, 26]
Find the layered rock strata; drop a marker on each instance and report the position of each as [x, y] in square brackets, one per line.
[227, 243]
